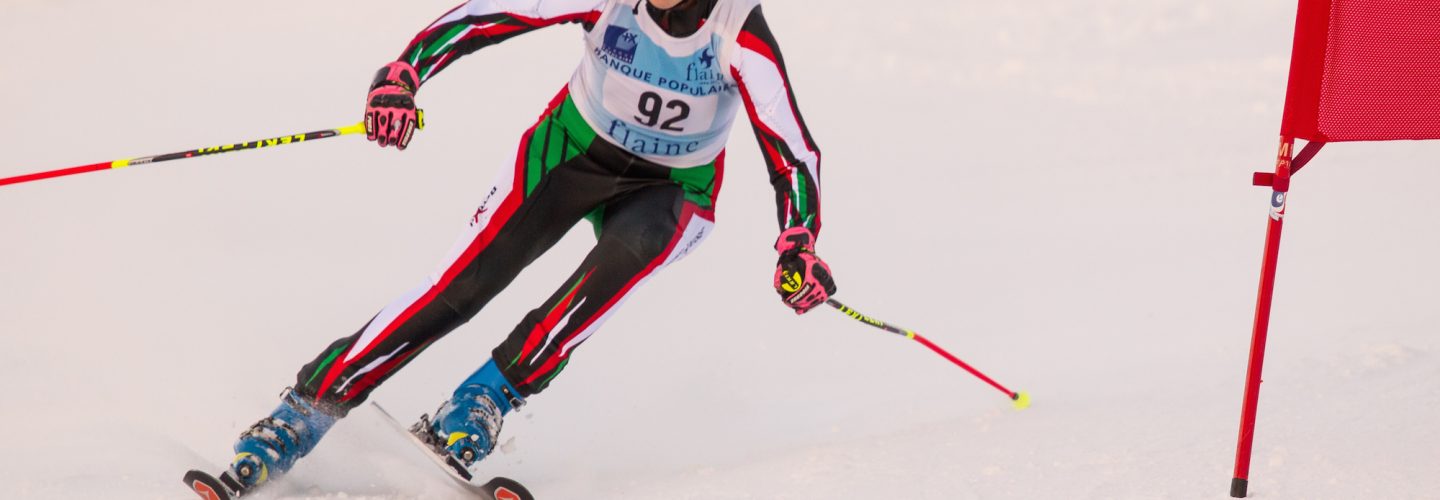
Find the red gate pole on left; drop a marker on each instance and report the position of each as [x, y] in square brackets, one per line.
[1280, 182]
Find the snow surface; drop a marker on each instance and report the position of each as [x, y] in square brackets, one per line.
[1058, 191]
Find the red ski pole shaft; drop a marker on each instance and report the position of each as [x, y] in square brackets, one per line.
[357, 128]
[927, 343]
[1021, 399]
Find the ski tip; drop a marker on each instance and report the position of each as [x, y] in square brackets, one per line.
[205, 485]
[1022, 400]
[504, 488]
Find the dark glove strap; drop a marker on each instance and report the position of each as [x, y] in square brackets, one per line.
[382, 80]
[801, 241]
[401, 101]
[391, 83]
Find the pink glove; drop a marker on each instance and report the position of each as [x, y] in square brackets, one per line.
[801, 278]
[390, 115]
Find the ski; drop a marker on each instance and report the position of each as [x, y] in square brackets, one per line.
[226, 487]
[498, 488]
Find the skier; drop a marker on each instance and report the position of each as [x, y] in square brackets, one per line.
[635, 143]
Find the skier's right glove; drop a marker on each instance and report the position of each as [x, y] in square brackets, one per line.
[801, 278]
[390, 114]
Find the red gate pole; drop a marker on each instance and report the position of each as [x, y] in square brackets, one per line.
[1280, 182]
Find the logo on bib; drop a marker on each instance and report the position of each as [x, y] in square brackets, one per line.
[707, 58]
[620, 43]
[703, 70]
[644, 142]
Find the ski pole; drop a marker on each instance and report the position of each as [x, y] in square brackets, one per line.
[358, 128]
[1021, 399]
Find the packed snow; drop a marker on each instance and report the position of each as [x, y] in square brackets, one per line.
[1057, 191]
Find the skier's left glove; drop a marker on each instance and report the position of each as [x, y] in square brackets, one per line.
[801, 278]
[390, 114]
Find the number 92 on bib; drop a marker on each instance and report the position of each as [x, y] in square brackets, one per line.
[658, 109]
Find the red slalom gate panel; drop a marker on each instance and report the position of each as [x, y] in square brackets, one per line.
[1365, 70]
[1361, 70]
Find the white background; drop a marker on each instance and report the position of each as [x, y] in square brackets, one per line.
[1057, 191]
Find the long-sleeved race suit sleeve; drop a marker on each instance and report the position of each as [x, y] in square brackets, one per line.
[785, 142]
[481, 23]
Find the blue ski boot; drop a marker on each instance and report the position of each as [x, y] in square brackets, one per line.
[271, 446]
[466, 428]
